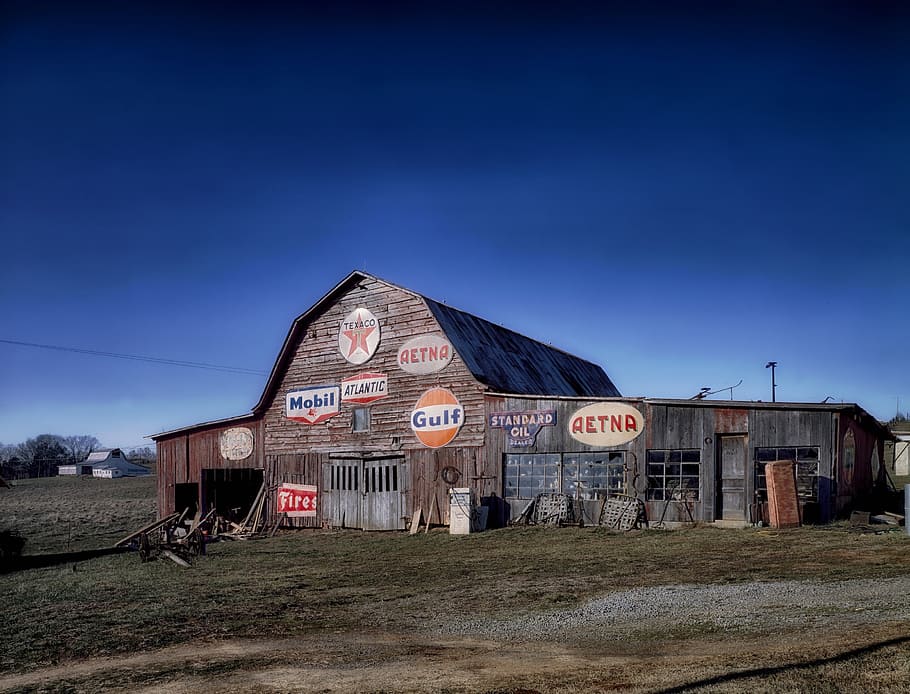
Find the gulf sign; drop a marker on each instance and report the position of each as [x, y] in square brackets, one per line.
[297, 500]
[358, 336]
[313, 405]
[606, 424]
[425, 354]
[364, 388]
[437, 417]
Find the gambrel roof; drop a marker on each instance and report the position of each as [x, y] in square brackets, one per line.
[509, 363]
[502, 360]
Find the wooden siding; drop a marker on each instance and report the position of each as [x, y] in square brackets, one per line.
[296, 468]
[426, 477]
[182, 457]
[317, 361]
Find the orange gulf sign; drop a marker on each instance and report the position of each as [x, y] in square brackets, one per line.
[437, 417]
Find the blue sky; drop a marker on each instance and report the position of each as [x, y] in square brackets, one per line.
[679, 193]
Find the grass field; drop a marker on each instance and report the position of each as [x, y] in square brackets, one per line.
[330, 590]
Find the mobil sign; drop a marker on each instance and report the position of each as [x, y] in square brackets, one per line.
[425, 354]
[437, 417]
[297, 500]
[313, 405]
[606, 424]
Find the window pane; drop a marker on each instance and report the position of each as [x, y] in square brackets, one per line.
[766, 454]
[691, 456]
[786, 454]
[656, 456]
[674, 456]
[808, 453]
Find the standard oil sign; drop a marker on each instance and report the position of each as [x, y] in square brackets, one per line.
[606, 424]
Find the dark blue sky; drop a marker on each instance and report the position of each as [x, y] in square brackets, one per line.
[677, 192]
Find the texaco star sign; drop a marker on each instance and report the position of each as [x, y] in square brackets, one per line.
[358, 336]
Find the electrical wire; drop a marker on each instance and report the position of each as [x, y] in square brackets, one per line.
[137, 357]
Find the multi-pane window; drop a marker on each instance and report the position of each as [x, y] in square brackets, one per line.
[674, 474]
[806, 458]
[580, 475]
[360, 419]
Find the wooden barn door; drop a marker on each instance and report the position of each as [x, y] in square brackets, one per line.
[383, 494]
[366, 494]
[731, 478]
[341, 498]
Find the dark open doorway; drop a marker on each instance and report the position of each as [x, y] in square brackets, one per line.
[186, 496]
[230, 492]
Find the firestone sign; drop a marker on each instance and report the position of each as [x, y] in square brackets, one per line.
[358, 336]
[522, 427]
[297, 500]
[606, 424]
[364, 388]
[313, 405]
[425, 354]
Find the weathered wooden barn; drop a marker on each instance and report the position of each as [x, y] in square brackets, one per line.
[381, 400]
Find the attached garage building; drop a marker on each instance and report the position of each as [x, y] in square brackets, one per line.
[382, 400]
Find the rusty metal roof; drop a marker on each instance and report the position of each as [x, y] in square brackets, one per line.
[508, 362]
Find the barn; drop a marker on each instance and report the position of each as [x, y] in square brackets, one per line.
[382, 400]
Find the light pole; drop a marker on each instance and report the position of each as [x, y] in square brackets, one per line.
[772, 365]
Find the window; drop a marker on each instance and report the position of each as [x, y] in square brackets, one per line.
[360, 419]
[580, 475]
[674, 474]
[806, 458]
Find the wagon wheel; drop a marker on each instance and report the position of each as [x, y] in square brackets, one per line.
[145, 549]
[194, 543]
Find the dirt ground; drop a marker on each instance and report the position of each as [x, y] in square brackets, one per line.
[399, 663]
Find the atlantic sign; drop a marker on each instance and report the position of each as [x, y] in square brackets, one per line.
[437, 417]
[358, 336]
[364, 388]
[425, 355]
[522, 427]
[313, 405]
[606, 424]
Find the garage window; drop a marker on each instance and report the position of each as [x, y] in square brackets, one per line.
[580, 475]
[674, 474]
[806, 458]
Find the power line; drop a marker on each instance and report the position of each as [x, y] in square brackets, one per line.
[137, 357]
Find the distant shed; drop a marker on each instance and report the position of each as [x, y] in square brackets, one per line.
[383, 400]
[107, 463]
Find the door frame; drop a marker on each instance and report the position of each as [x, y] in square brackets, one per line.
[746, 479]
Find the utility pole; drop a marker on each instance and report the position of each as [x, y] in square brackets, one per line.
[772, 365]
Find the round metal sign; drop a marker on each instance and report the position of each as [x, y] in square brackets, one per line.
[358, 336]
[437, 417]
[236, 443]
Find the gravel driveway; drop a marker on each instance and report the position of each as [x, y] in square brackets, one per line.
[723, 607]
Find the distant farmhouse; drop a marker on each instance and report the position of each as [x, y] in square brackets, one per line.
[107, 463]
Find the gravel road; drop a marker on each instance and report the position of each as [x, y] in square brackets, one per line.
[724, 607]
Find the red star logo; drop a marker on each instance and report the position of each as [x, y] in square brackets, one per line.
[358, 337]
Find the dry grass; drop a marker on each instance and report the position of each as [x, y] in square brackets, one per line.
[314, 583]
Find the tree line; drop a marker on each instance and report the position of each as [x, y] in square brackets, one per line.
[42, 455]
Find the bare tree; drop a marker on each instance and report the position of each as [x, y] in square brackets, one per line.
[42, 454]
[80, 446]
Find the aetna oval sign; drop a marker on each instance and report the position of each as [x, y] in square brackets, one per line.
[425, 354]
[606, 424]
